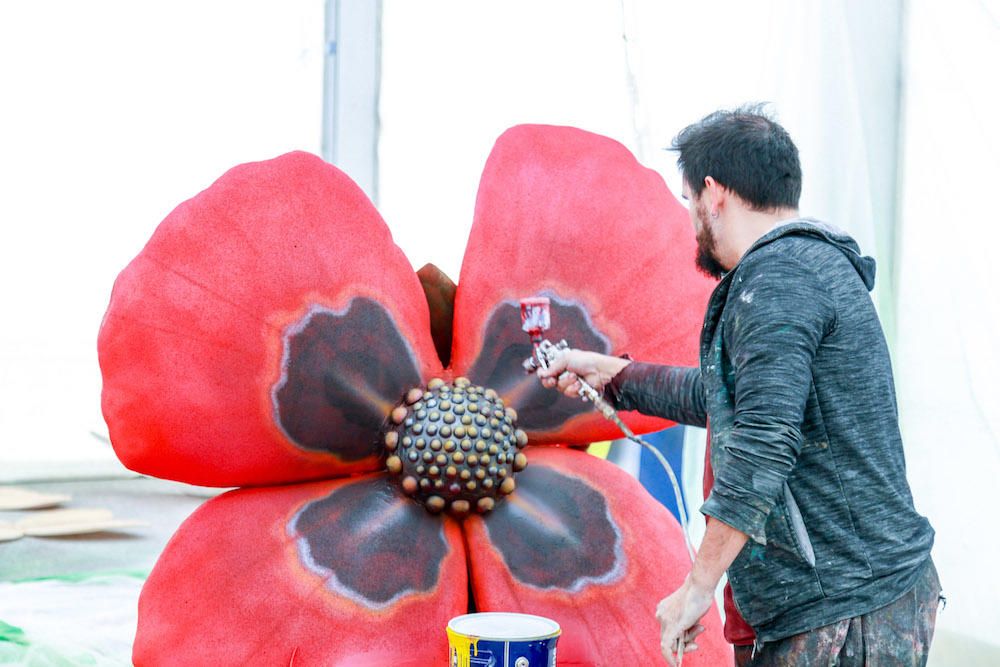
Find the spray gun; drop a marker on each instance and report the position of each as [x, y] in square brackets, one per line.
[535, 321]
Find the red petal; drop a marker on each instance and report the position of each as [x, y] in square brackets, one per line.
[607, 617]
[572, 214]
[235, 586]
[193, 344]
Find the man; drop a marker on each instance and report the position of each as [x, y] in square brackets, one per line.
[810, 513]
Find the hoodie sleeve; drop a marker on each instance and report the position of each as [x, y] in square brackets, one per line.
[671, 392]
[777, 314]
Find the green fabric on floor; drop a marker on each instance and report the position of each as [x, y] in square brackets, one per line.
[56, 623]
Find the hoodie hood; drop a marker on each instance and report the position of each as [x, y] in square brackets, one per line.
[863, 264]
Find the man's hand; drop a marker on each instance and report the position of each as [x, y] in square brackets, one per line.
[565, 372]
[678, 614]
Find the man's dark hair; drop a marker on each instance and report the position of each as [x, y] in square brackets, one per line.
[746, 152]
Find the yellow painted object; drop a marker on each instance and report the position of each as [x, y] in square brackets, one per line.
[460, 648]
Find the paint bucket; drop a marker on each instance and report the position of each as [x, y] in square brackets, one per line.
[502, 639]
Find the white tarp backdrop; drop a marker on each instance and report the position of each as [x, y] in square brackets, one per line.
[115, 112]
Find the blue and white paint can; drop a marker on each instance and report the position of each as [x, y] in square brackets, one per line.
[502, 639]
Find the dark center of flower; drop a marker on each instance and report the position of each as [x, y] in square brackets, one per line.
[454, 446]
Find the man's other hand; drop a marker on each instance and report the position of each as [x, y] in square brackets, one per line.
[565, 372]
[678, 614]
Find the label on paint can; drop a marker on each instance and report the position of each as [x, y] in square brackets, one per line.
[502, 639]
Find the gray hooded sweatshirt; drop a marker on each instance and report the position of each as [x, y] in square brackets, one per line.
[796, 389]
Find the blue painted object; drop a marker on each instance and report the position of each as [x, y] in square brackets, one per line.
[502, 639]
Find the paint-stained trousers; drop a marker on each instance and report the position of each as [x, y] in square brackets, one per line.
[898, 634]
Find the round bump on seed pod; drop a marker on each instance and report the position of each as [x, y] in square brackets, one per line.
[502, 473]
[420, 443]
[522, 437]
[391, 440]
[394, 464]
[441, 459]
[462, 382]
[398, 414]
[465, 474]
[407, 441]
[458, 457]
[421, 414]
[417, 428]
[451, 471]
[493, 449]
[520, 462]
[425, 484]
[485, 504]
[436, 444]
[434, 471]
[459, 432]
[410, 485]
[460, 507]
[449, 418]
[445, 405]
[480, 446]
[511, 414]
[487, 483]
[434, 416]
[435, 504]
[413, 455]
[428, 457]
[507, 486]
[435, 383]
[480, 474]
[471, 485]
[491, 395]
[466, 444]
[449, 445]
[459, 409]
[439, 484]
[473, 407]
[414, 395]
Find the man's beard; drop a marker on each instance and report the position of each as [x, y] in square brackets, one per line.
[705, 259]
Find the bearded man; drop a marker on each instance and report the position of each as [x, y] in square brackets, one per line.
[810, 513]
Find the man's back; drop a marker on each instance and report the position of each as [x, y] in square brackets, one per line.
[843, 537]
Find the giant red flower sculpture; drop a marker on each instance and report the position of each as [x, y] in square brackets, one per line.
[271, 335]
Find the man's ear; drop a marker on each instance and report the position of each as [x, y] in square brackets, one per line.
[715, 196]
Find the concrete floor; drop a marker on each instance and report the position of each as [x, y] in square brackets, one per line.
[72, 600]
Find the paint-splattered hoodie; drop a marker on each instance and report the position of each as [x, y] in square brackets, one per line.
[796, 387]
